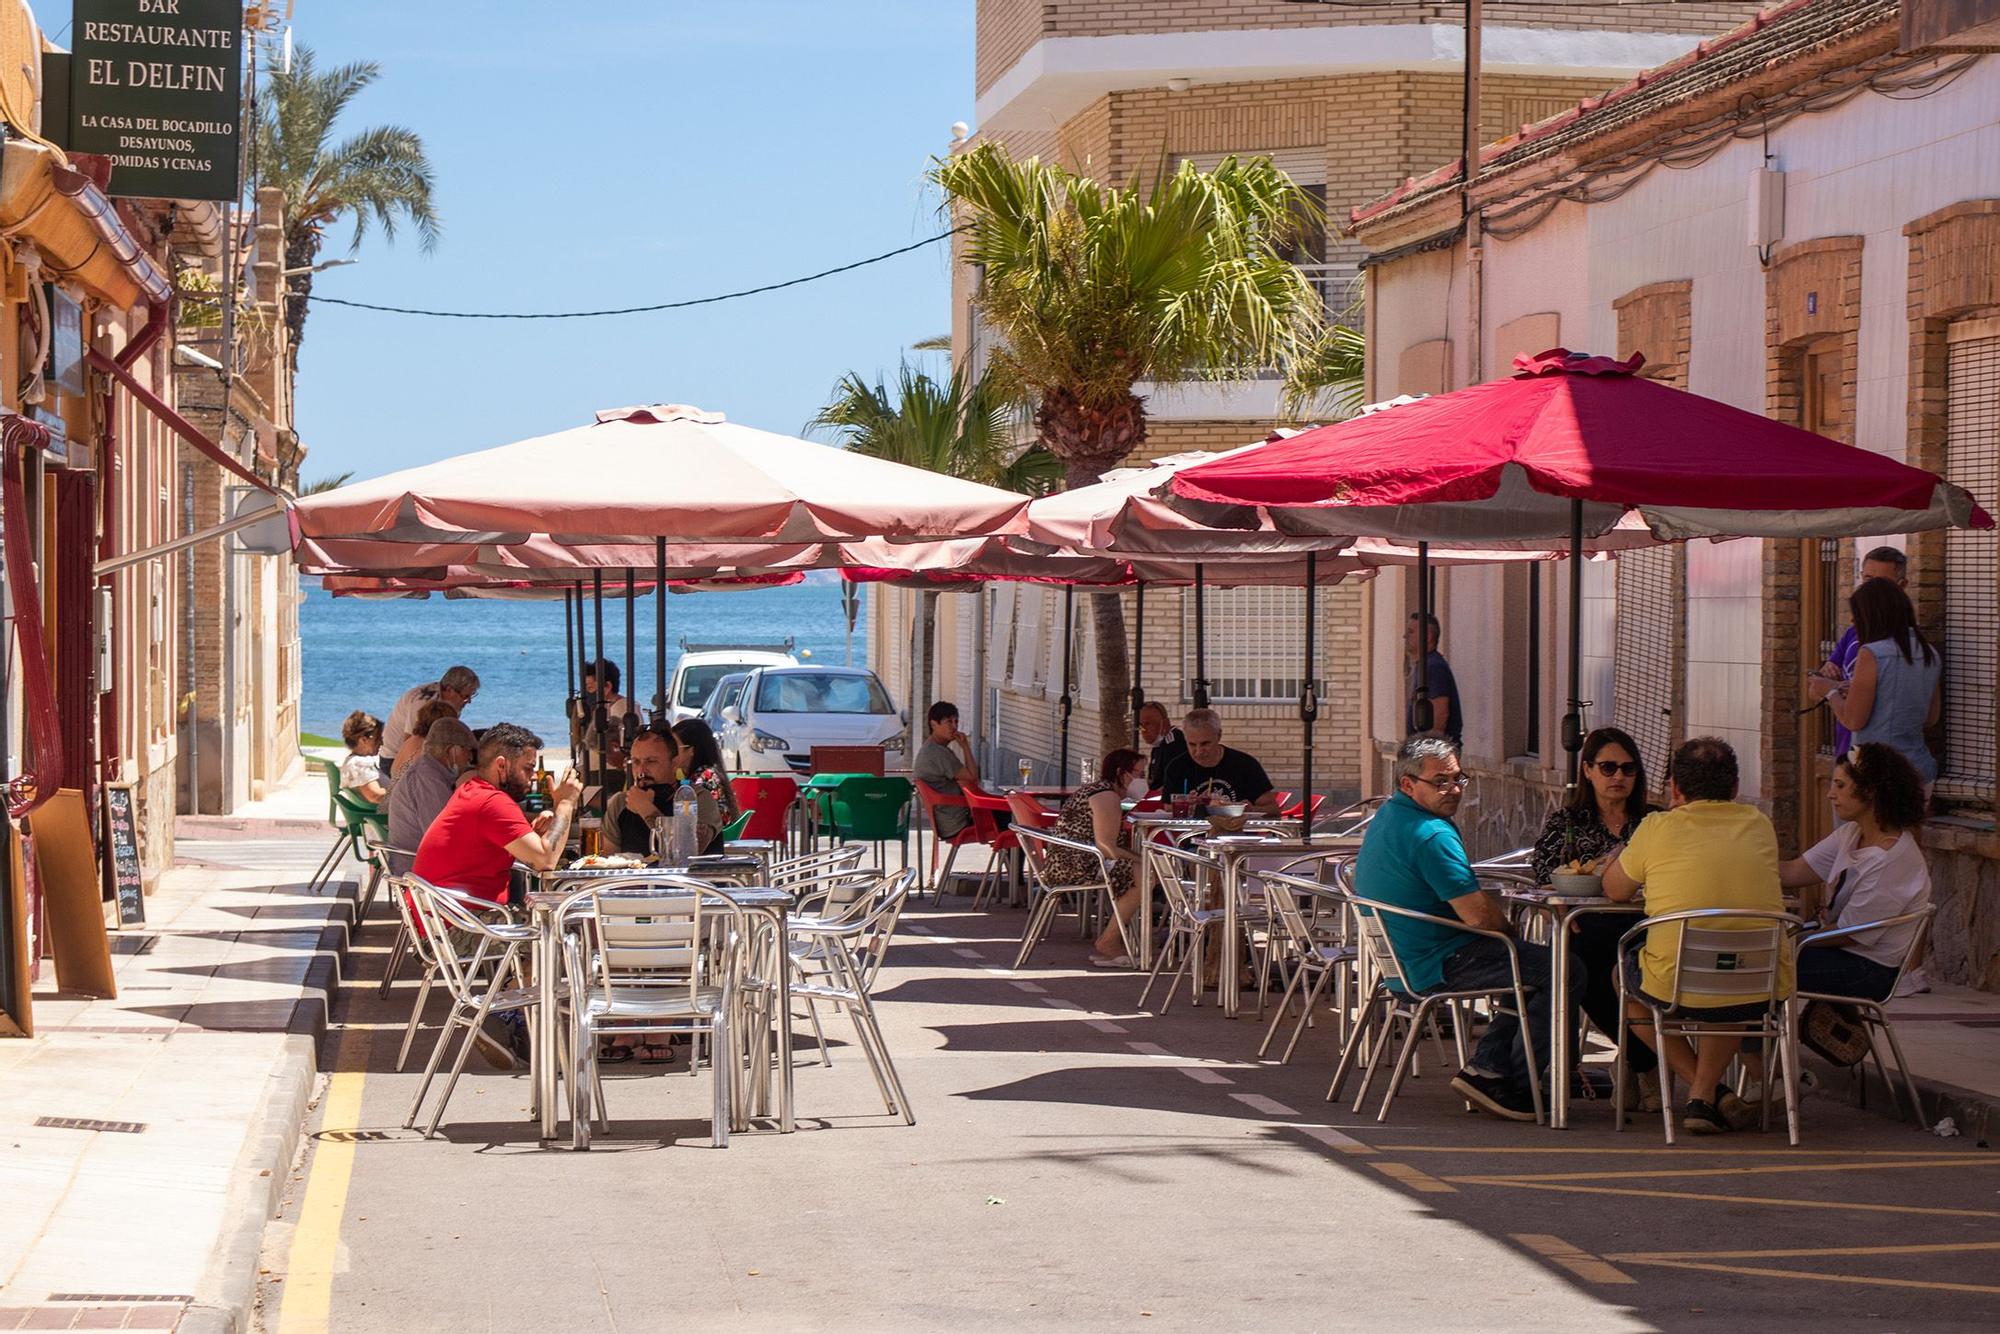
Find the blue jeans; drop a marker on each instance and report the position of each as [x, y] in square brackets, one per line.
[1837, 972]
[1483, 963]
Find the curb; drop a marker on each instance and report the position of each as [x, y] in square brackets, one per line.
[1977, 1115]
[226, 1297]
[231, 826]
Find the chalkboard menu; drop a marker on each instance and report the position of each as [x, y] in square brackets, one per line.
[123, 863]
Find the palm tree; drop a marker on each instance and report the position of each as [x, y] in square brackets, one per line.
[380, 175]
[1092, 288]
[958, 426]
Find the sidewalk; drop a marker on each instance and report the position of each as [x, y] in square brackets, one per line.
[143, 1140]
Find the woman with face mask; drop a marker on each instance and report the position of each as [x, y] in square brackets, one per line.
[1093, 814]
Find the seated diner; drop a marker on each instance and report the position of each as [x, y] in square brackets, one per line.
[1095, 814]
[1211, 772]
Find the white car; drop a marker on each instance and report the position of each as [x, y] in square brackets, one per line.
[784, 712]
[702, 666]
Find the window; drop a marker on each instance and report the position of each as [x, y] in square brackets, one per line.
[832, 692]
[1971, 581]
[1256, 644]
[1531, 686]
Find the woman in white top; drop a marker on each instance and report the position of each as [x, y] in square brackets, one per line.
[1872, 869]
[361, 771]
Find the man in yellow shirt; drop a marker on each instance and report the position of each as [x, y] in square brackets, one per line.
[1707, 850]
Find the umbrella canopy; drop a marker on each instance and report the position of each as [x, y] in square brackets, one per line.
[461, 583]
[660, 471]
[1516, 460]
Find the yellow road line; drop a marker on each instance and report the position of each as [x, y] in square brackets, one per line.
[308, 1302]
[1810, 1252]
[1860, 1280]
[1414, 1179]
[1764, 1169]
[1583, 1264]
[1576, 1189]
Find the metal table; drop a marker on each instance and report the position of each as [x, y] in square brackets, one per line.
[1562, 911]
[1147, 823]
[733, 882]
[1229, 852]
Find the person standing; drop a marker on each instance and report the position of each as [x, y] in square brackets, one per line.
[947, 765]
[1897, 687]
[1881, 563]
[1430, 673]
[457, 687]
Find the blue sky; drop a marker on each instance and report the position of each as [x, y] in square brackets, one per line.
[620, 154]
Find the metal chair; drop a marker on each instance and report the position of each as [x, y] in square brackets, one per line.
[1353, 818]
[1871, 1012]
[1519, 859]
[1392, 991]
[477, 982]
[1180, 875]
[838, 958]
[1046, 898]
[1312, 918]
[654, 954]
[1728, 952]
[808, 865]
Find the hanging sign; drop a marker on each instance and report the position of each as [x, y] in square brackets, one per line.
[157, 86]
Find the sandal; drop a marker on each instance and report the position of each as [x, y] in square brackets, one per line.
[612, 1053]
[654, 1053]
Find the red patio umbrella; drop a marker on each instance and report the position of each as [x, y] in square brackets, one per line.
[1573, 444]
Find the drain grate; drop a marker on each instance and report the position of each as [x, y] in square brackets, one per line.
[355, 1136]
[87, 1123]
[133, 944]
[124, 1298]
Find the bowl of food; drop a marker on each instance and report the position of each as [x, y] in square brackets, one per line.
[1578, 879]
[1227, 817]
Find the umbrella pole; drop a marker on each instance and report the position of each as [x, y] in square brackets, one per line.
[582, 642]
[1572, 725]
[1200, 642]
[625, 728]
[1308, 692]
[1421, 714]
[569, 664]
[659, 629]
[1069, 645]
[597, 705]
[1138, 661]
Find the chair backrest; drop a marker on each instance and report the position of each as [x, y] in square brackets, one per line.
[663, 934]
[847, 760]
[878, 925]
[734, 829]
[986, 807]
[1354, 817]
[1029, 813]
[794, 869]
[1377, 945]
[834, 895]
[769, 802]
[872, 808]
[1036, 845]
[440, 915]
[981, 824]
[1178, 872]
[1849, 936]
[1519, 859]
[361, 819]
[1726, 952]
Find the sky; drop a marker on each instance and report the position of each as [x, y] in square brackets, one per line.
[624, 153]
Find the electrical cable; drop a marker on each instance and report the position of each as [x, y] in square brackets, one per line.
[317, 299]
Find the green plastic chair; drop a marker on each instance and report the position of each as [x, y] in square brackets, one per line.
[353, 820]
[871, 810]
[734, 829]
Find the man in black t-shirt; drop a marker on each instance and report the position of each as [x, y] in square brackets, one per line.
[1213, 770]
[1159, 733]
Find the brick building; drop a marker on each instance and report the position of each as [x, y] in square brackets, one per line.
[1827, 251]
[1349, 99]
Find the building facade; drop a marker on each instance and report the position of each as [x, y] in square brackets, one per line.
[1824, 249]
[1350, 100]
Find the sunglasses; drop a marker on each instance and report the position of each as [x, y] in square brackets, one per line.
[1612, 768]
[1455, 784]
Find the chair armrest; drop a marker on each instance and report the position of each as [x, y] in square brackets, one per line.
[1814, 939]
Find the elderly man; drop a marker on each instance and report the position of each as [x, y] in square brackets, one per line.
[647, 801]
[481, 832]
[1413, 857]
[425, 786]
[1707, 850]
[1213, 771]
[456, 687]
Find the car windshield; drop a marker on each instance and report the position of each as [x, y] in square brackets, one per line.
[698, 683]
[799, 692]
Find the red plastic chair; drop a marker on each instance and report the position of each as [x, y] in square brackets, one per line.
[990, 807]
[1292, 810]
[769, 801]
[983, 829]
[1027, 811]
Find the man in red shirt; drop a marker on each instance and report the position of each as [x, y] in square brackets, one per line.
[475, 840]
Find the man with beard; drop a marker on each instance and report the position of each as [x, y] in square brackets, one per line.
[475, 840]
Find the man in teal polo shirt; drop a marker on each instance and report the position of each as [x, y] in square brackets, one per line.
[1413, 857]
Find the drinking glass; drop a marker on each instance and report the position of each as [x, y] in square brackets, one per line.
[1027, 770]
[1088, 769]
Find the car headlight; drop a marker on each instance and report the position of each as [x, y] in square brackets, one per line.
[761, 741]
[894, 743]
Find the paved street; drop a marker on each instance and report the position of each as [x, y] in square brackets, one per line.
[1079, 1164]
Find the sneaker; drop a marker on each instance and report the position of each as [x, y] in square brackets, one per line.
[1744, 1113]
[494, 1050]
[1646, 1096]
[1113, 961]
[1492, 1095]
[1914, 982]
[1703, 1118]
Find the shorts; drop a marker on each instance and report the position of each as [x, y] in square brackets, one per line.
[1744, 1013]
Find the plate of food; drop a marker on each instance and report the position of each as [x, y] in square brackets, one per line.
[1579, 878]
[615, 861]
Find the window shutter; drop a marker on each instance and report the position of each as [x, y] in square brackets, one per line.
[1972, 567]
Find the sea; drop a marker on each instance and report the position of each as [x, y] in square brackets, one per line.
[363, 654]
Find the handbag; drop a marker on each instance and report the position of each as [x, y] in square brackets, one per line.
[1835, 1032]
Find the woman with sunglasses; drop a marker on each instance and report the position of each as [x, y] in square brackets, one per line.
[1606, 807]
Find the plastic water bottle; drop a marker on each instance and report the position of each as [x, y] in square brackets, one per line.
[681, 841]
